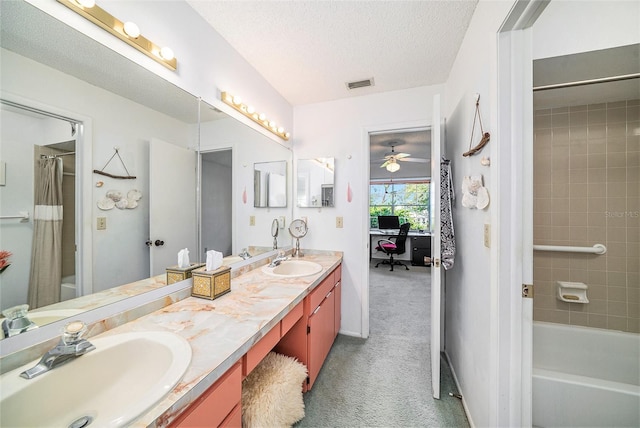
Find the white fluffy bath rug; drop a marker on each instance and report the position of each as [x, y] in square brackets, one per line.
[272, 393]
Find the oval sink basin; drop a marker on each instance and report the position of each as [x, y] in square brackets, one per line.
[111, 386]
[293, 268]
[45, 317]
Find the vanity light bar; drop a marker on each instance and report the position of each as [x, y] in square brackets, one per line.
[259, 118]
[106, 21]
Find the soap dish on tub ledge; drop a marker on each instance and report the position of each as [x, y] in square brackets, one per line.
[572, 292]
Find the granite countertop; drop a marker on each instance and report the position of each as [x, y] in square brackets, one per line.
[221, 331]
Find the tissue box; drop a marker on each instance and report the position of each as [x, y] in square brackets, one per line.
[176, 274]
[211, 284]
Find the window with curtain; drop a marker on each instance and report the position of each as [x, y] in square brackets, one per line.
[409, 200]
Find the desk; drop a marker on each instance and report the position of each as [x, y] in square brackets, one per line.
[418, 246]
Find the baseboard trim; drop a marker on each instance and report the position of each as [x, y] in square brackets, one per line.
[464, 402]
[351, 333]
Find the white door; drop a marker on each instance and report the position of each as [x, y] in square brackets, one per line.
[436, 274]
[172, 204]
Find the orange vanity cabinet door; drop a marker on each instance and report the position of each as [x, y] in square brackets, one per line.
[217, 404]
[338, 308]
[320, 336]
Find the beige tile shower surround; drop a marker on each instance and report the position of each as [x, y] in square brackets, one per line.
[587, 191]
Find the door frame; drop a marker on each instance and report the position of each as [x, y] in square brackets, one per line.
[364, 232]
[512, 256]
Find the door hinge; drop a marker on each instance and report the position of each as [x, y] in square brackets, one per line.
[527, 290]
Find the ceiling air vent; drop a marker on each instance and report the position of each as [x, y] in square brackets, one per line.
[360, 84]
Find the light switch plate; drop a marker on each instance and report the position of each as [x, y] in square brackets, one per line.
[101, 223]
[281, 222]
[339, 222]
[487, 235]
[252, 220]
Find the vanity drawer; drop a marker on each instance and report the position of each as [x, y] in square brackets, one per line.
[215, 405]
[260, 350]
[320, 292]
[290, 319]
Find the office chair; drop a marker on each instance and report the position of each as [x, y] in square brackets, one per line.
[394, 248]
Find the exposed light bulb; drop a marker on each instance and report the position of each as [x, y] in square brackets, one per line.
[393, 167]
[287, 135]
[237, 100]
[280, 130]
[86, 3]
[166, 53]
[272, 125]
[251, 109]
[262, 116]
[131, 29]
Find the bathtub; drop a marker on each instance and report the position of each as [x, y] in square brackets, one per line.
[585, 377]
[68, 288]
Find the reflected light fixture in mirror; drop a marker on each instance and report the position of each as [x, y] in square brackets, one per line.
[393, 166]
[250, 112]
[127, 32]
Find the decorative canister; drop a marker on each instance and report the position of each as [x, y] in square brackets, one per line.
[176, 274]
[211, 284]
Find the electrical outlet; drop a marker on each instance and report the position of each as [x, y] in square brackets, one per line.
[487, 235]
[252, 220]
[102, 223]
[339, 222]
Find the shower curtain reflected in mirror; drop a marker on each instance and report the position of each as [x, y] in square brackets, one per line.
[46, 257]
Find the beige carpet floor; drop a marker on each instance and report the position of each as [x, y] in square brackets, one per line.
[385, 380]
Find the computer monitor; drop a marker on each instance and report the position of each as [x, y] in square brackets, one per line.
[388, 222]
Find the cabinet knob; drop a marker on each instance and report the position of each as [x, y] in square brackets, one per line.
[159, 243]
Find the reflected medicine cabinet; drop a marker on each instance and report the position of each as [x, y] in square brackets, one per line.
[270, 184]
[315, 181]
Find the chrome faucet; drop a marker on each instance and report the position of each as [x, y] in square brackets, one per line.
[279, 259]
[245, 254]
[70, 347]
[16, 321]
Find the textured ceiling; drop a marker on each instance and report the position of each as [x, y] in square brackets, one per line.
[308, 50]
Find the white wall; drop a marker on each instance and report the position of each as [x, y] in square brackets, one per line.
[585, 26]
[19, 132]
[468, 291]
[339, 129]
[116, 122]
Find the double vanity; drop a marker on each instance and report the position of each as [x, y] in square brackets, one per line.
[183, 365]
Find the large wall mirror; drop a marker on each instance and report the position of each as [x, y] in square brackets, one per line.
[315, 181]
[232, 219]
[90, 101]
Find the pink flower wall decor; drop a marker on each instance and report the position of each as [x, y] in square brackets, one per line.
[349, 193]
[244, 195]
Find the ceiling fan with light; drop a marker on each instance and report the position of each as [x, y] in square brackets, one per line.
[392, 158]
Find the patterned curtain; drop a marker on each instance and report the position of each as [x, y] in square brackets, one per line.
[46, 254]
[447, 237]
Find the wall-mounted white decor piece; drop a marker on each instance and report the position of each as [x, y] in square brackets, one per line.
[134, 194]
[114, 195]
[474, 194]
[106, 204]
